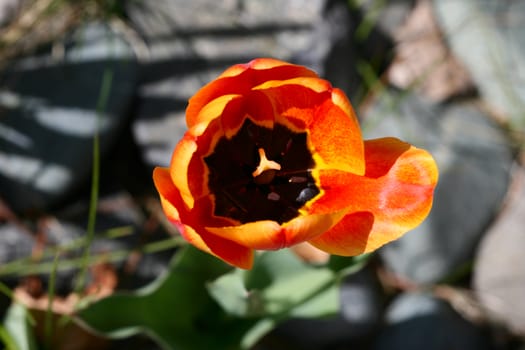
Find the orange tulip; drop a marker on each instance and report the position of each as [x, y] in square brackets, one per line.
[274, 156]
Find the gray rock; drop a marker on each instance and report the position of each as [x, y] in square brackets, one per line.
[499, 269]
[15, 243]
[8, 11]
[419, 321]
[389, 15]
[361, 304]
[117, 212]
[488, 37]
[188, 43]
[474, 160]
[49, 109]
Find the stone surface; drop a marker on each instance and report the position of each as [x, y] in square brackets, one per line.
[49, 105]
[8, 11]
[422, 60]
[488, 37]
[15, 243]
[499, 269]
[189, 43]
[118, 213]
[361, 302]
[419, 321]
[474, 160]
[387, 15]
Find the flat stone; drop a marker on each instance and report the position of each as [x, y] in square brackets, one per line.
[189, 43]
[488, 37]
[15, 243]
[419, 321]
[499, 271]
[8, 11]
[474, 159]
[50, 107]
[389, 16]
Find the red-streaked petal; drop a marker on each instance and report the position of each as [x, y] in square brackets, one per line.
[304, 228]
[394, 198]
[179, 167]
[265, 234]
[183, 219]
[253, 105]
[335, 136]
[349, 237]
[214, 108]
[340, 100]
[239, 79]
[188, 171]
[313, 83]
[336, 140]
[407, 163]
[294, 105]
[269, 235]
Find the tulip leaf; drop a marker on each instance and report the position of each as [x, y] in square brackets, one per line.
[17, 331]
[278, 285]
[175, 310]
[202, 303]
[344, 265]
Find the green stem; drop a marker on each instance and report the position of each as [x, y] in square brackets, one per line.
[95, 179]
[38, 267]
[48, 321]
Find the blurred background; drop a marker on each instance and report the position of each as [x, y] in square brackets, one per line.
[106, 82]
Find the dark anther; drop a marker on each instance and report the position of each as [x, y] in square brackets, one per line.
[261, 174]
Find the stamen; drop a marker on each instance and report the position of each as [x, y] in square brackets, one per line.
[265, 164]
[273, 196]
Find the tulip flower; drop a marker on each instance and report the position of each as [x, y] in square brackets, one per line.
[274, 156]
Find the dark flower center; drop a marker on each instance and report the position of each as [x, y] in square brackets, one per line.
[261, 174]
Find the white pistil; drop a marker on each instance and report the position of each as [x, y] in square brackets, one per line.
[265, 164]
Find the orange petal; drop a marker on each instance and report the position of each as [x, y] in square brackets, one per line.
[214, 108]
[395, 198]
[189, 228]
[188, 171]
[239, 79]
[179, 167]
[313, 83]
[269, 235]
[336, 140]
[265, 234]
[253, 105]
[304, 228]
[311, 104]
[295, 104]
[349, 237]
[408, 163]
[340, 100]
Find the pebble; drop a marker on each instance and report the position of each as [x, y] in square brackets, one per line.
[488, 37]
[416, 321]
[499, 269]
[50, 107]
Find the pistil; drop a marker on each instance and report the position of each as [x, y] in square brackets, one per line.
[265, 171]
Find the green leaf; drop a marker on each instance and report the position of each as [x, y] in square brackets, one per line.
[17, 331]
[202, 303]
[344, 265]
[279, 285]
[175, 310]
